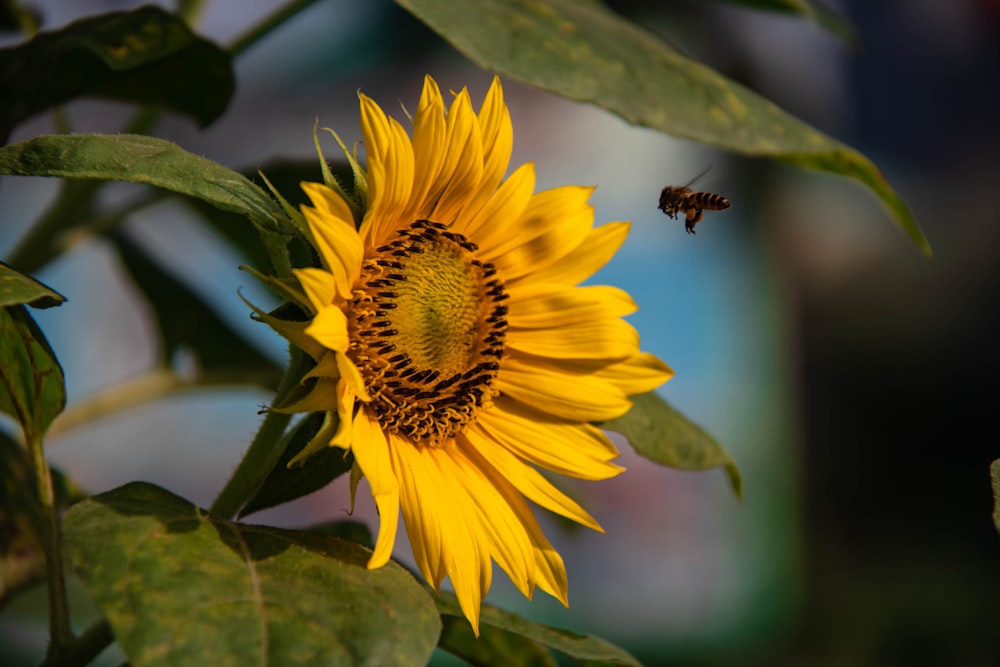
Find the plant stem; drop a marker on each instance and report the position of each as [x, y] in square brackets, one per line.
[256, 33]
[87, 646]
[60, 633]
[263, 453]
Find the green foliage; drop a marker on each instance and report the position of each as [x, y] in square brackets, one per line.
[31, 381]
[146, 56]
[583, 51]
[141, 159]
[182, 588]
[508, 639]
[809, 9]
[284, 484]
[663, 435]
[17, 288]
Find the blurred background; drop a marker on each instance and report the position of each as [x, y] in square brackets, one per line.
[848, 376]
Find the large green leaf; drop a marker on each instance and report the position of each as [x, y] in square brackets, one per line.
[583, 51]
[17, 288]
[508, 639]
[816, 11]
[284, 484]
[140, 159]
[32, 390]
[661, 434]
[187, 322]
[182, 588]
[146, 56]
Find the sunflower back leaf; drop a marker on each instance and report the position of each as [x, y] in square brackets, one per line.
[661, 434]
[181, 587]
[583, 51]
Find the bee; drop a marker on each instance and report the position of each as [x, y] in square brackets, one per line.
[676, 199]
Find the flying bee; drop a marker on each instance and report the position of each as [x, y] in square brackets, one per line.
[676, 199]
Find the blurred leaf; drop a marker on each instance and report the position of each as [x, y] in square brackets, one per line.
[22, 554]
[995, 475]
[518, 640]
[284, 484]
[139, 159]
[182, 588]
[665, 436]
[493, 646]
[17, 288]
[147, 56]
[583, 51]
[14, 17]
[810, 9]
[352, 531]
[186, 322]
[31, 381]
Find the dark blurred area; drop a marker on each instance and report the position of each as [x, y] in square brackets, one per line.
[896, 355]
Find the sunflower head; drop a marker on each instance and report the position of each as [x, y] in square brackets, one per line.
[455, 352]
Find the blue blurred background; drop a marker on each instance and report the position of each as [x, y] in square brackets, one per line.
[849, 378]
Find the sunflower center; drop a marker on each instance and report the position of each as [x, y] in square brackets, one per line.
[427, 324]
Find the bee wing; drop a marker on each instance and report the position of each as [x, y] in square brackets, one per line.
[691, 182]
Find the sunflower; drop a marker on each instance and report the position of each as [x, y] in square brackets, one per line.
[456, 353]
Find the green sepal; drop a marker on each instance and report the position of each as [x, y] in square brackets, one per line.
[286, 483]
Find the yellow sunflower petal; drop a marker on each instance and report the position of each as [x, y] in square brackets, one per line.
[542, 306]
[462, 170]
[561, 392]
[501, 528]
[390, 171]
[554, 222]
[320, 286]
[345, 412]
[643, 372]
[507, 203]
[322, 397]
[568, 448]
[427, 508]
[609, 338]
[329, 328]
[498, 141]
[527, 480]
[429, 134]
[578, 263]
[371, 451]
[336, 240]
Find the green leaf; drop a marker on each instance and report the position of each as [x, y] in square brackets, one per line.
[583, 51]
[147, 56]
[518, 641]
[22, 520]
[816, 11]
[32, 390]
[493, 646]
[661, 434]
[995, 475]
[139, 159]
[284, 484]
[17, 288]
[186, 322]
[182, 588]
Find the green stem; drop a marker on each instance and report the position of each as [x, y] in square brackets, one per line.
[60, 633]
[87, 646]
[256, 33]
[263, 453]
